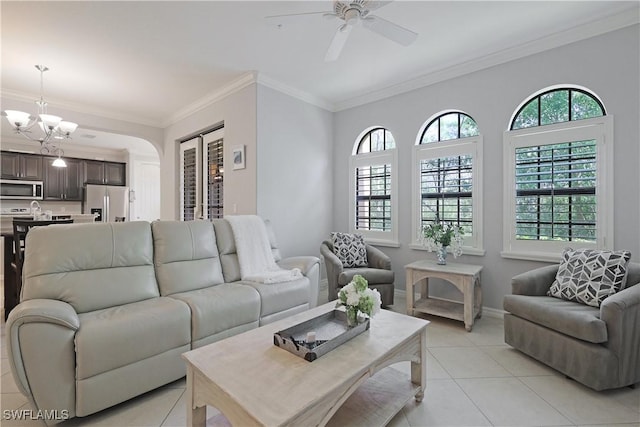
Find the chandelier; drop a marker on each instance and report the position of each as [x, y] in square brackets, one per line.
[52, 128]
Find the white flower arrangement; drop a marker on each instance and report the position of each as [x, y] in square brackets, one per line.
[356, 296]
[440, 235]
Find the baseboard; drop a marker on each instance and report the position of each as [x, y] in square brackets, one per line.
[399, 293]
[486, 311]
[494, 313]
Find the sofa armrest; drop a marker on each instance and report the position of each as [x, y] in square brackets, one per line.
[41, 352]
[378, 259]
[333, 266]
[310, 268]
[621, 313]
[304, 263]
[534, 282]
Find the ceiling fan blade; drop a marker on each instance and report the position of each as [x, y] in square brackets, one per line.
[278, 20]
[339, 39]
[389, 30]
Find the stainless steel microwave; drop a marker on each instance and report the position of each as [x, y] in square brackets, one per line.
[11, 189]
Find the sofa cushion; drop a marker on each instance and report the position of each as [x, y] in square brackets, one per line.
[373, 275]
[589, 276]
[350, 249]
[90, 266]
[185, 255]
[570, 318]
[119, 336]
[221, 307]
[276, 297]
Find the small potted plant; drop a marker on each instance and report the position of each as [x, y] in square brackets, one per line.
[440, 235]
[357, 297]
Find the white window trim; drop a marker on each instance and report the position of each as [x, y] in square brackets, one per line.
[389, 156]
[473, 245]
[196, 144]
[204, 149]
[599, 129]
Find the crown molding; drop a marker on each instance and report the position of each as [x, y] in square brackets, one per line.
[580, 32]
[217, 95]
[295, 93]
[81, 108]
[240, 83]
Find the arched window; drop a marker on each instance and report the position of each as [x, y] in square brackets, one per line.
[373, 183]
[558, 175]
[376, 139]
[448, 156]
[447, 126]
[557, 105]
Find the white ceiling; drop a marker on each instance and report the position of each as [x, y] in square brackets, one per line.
[146, 60]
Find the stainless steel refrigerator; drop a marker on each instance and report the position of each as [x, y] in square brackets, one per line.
[109, 203]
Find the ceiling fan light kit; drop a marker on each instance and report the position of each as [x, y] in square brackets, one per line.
[52, 127]
[352, 13]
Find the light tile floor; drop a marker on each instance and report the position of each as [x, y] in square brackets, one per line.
[473, 379]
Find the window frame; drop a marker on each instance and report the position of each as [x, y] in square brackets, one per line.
[200, 143]
[438, 118]
[215, 137]
[187, 145]
[539, 94]
[599, 129]
[473, 146]
[373, 158]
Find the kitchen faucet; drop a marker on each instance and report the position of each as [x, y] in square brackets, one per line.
[36, 210]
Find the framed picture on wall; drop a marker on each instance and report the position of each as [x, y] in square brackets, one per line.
[238, 157]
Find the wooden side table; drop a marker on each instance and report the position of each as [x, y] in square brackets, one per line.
[465, 277]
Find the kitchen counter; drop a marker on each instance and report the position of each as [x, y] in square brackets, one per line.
[6, 221]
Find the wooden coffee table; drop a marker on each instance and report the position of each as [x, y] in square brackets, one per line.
[254, 383]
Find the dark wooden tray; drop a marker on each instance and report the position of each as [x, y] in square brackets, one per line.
[331, 331]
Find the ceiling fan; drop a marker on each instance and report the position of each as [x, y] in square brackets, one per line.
[350, 13]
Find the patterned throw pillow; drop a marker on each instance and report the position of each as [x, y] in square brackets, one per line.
[350, 249]
[589, 276]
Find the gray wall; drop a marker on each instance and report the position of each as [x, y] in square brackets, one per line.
[238, 111]
[288, 147]
[607, 65]
[294, 188]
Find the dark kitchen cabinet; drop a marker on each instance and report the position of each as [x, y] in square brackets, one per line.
[104, 173]
[115, 173]
[21, 166]
[63, 183]
[94, 172]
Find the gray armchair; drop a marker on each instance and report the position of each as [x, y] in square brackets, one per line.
[378, 272]
[597, 347]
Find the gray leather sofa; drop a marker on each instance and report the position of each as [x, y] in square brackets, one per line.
[595, 346]
[107, 309]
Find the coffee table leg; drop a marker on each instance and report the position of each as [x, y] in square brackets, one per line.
[196, 416]
[419, 367]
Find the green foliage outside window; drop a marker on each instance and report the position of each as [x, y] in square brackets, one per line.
[557, 106]
[556, 183]
[373, 184]
[449, 126]
[446, 183]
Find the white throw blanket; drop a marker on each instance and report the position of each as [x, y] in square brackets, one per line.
[254, 252]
